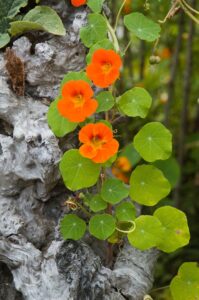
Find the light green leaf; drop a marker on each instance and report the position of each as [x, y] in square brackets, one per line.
[104, 44]
[72, 227]
[175, 228]
[135, 102]
[77, 171]
[148, 185]
[105, 101]
[95, 31]
[153, 142]
[147, 233]
[170, 169]
[59, 125]
[95, 5]
[39, 18]
[142, 27]
[185, 286]
[97, 203]
[10, 8]
[125, 211]
[74, 76]
[102, 226]
[4, 39]
[114, 190]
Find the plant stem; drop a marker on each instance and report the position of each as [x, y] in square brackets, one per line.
[127, 47]
[84, 210]
[112, 34]
[188, 12]
[159, 289]
[118, 15]
[190, 7]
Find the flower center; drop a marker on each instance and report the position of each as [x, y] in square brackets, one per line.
[78, 100]
[97, 141]
[106, 67]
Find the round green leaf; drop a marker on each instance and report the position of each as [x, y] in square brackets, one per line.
[175, 228]
[114, 190]
[185, 286]
[58, 124]
[74, 76]
[148, 185]
[147, 233]
[105, 101]
[97, 203]
[95, 31]
[102, 226]
[153, 142]
[77, 171]
[142, 27]
[135, 102]
[4, 39]
[170, 169]
[95, 5]
[72, 227]
[104, 44]
[39, 18]
[125, 211]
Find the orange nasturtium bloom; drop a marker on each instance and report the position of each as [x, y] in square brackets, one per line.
[98, 142]
[78, 3]
[76, 103]
[104, 68]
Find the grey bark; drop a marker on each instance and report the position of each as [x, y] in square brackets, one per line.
[36, 263]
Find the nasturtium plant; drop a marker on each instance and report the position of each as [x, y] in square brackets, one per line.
[142, 27]
[125, 211]
[74, 76]
[184, 285]
[39, 18]
[148, 185]
[105, 101]
[58, 124]
[78, 172]
[153, 142]
[135, 102]
[147, 233]
[114, 190]
[95, 6]
[96, 203]
[175, 228]
[72, 227]
[101, 173]
[95, 31]
[102, 226]
[102, 44]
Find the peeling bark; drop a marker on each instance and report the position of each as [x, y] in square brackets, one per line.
[41, 265]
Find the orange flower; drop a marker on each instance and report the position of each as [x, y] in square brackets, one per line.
[104, 68]
[98, 142]
[78, 3]
[123, 163]
[76, 103]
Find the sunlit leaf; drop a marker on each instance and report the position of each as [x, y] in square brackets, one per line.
[185, 286]
[175, 228]
[147, 233]
[153, 142]
[148, 185]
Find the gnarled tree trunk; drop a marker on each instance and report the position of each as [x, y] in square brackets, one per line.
[36, 264]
